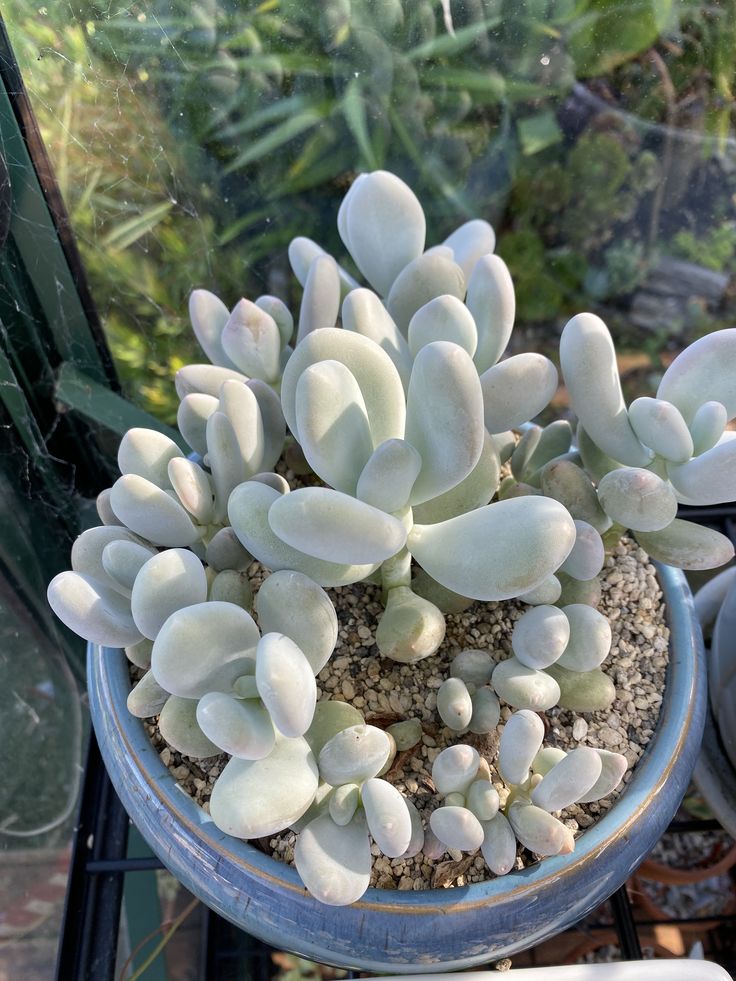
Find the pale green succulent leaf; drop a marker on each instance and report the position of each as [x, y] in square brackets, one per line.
[516, 390]
[546, 594]
[539, 831]
[427, 277]
[302, 253]
[208, 315]
[454, 704]
[193, 488]
[225, 461]
[387, 815]
[588, 553]
[344, 803]
[239, 403]
[167, 582]
[363, 313]
[613, 767]
[707, 426]
[191, 418]
[523, 687]
[472, 666]
[457, 827]
[546, 758]
[224, 551]
[568, 780]
[147, 698]
[703, 372]
[590, 638]
[499, 845]
[252, 340]
[637, 499]
[486, 710]
[178, 725]
[389, 475]
[334, 861]
[472, 492]
[470, 241]
[583, 691]
[204, 379]
[122, 561]
[150, 512]
[411, 627]
[147, 453]
[89, 547]
[353, 755]
[445, 318]
[239, 727]
[93, 610]
[482, 799]
[281, 315]
[232, 586]
[291, 603]
[455, 768]
[709, 478]
[286, 683]
[687, 545]
[331, 717]
[540, 636]
[520, 742]
[660, 426]
[492, 302]
[321, 298]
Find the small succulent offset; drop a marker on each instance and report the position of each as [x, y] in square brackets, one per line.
[399, 401]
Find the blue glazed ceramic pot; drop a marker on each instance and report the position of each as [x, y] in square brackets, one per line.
[410, 932]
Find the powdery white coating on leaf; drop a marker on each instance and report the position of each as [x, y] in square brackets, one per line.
[92, 610]
[613, 767]
[147, 453]
[239, 403]
[354, 754]
[546, 758]
[231, 586]
[151, 513]
[363, 313]
[589, 367]
[687, 545]
[178, 725]
[140, 654]
[374, 372]
[388, 477]
[498, 551]
[205, 379]
[147, 698]
[89, 548]
[167, 582]
[588, 553]
[335, 527]
[286, 683]
[255, 798]
[454, 704]
[520, 741]
[709, 478]
[483, 800]
[555, 441]
[637, 499]
[492, 302]
[281, 314]
[248, 510]
[499, 845]
[444, 418]
[334, 862]
[291, 603]
[707, 426]
[122, 561]
[302, 253]
[540, 636]
[568, 780]
[331, 717]
[472, 492]
[252, 341]
[104, 509]
[388, 817]
[332, 421]
[431, 275]
[474, 667]
[703, 372]
[570, 485]
[470, 241]
[455, 768]
[193, 488]
[209, 315]
[416, 842]
[272, 421]
[457, 827]
[191, 418]
[224, 551]
[240, 727]
[590, 638]
[383, 227]
[486, 710]
[446, 318]
[321, 298]
[516, 390]
[225, 461]
[660, 426]
[582, 691]
[539, 831]
[204, 648]
[411, 627]
[545, 594]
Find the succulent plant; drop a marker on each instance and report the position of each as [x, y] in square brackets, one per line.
[715, 606]
[398, 400]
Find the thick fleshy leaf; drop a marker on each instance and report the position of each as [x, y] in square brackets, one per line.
[204, 648]
[286, 683]
[389, 821]
[302, 253]
[570, 485]
[709, 478]
[230, 586]
[122, 561]
[344, 803]
[331, 717]
[382, 225]
[147, 698]
[499, 845]
[333, 426]
[255, 798]
[281, 315]
[703, 372]
[444, 418]
[151, 513]
[455, 768]
[147, 453]
[520, 741]
[272, 421]
[497, 551]
[424, 279]
[104, 508]
[193, 488]
[167, 582]
[588, 553]
[546, 594]
[354, 755]
[206, 379]
[568, 780]
[469, 242]
[334, 861]
[474, 667]
[539, 831]
[523, 687]
[291, 603]
[540, 636]
[590, 638]
[525, 448]
[454, 704]
[516, 390]
[178, 725]
[228, 467]
[588, 361]
[582, 691]
[321, 299]
[406, 734]
[546, 758]
[472, 492]
[492, 302]
[416, 842]
[446, 318]
[709, 598]
[364, 313]
[191, 418]
[252, 341]
[209, 315]
[140, 654]
[248, 510]
[613, 767]
[238, 726]
[388, 477]
[335, 527]
[660, 426]
[411, 627]
[687, 545]
[92, 610]
[239, 403]
[373, 369]
[554, 443]
[637, 499]
[486, 710]
[482, 799]
[224, 551]
[707, 426]
[88, 550]
[457, 827]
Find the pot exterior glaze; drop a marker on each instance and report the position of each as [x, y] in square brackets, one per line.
[409, 932]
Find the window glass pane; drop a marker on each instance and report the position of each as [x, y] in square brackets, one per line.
[192, 141]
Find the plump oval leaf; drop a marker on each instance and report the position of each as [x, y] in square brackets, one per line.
[291, 603]
[492, 302]
[238, 726]
[286, 683]
[516, 390]
[334, 861]
[167, 582]
[151, 513]
[520, 741]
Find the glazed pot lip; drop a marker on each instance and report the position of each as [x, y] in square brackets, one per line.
[108, 673]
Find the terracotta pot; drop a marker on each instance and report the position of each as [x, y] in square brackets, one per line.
[408, 932]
